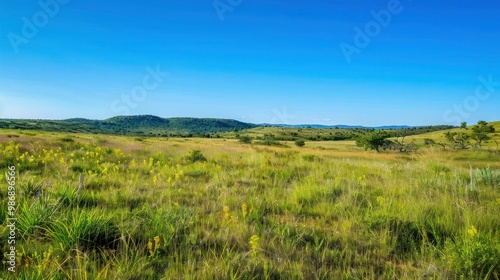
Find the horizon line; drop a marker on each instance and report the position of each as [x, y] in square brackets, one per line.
[258, 124]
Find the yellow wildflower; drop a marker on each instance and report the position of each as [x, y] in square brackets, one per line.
[150, 247]
[254, 244]
[244, 209]
[227, 216]
[157, 242]
[472, 231]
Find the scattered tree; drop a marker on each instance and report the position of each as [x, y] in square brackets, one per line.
[300, 143]
[442, 144]
[246, 139]
[399, 143]
[428, 141]
[480, 132]
[463, 125]
[458, 140]
[373, 141]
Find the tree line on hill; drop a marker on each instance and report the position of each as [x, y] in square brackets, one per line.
[379, 140]
[462, 140]
[132, 126]
[153, 126]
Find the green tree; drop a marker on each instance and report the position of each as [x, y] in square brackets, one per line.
[458, 140]
[373, 141]
[463, 125]
[300, 143]
[480, 132]
[429, 141]
[246, 139]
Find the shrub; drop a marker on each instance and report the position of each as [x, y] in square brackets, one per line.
[67, 139]
[270, 140]
[194, 156]
[246, 139]
[428, 141]
[300, 143]
[474, 256]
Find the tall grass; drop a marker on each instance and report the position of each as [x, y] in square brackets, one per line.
[488, 176]
[84, 230]
[208, 208]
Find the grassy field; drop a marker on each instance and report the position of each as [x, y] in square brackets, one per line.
[110, 207]
[438, 136]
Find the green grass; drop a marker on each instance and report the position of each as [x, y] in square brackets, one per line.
[438, 136]
[219, 209]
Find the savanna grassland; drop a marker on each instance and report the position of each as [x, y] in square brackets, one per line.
[113, 207]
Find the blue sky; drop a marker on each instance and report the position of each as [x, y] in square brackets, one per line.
[258, 61]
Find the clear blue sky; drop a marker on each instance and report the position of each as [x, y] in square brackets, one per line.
[259, 61]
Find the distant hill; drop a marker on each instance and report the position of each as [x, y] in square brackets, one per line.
[149, 125]
[341, 126]
[146, 125]
[326, 133]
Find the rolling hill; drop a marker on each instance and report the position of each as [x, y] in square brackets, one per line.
[338, 126]
[438, 136]
[146, 125]
[149, 125]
